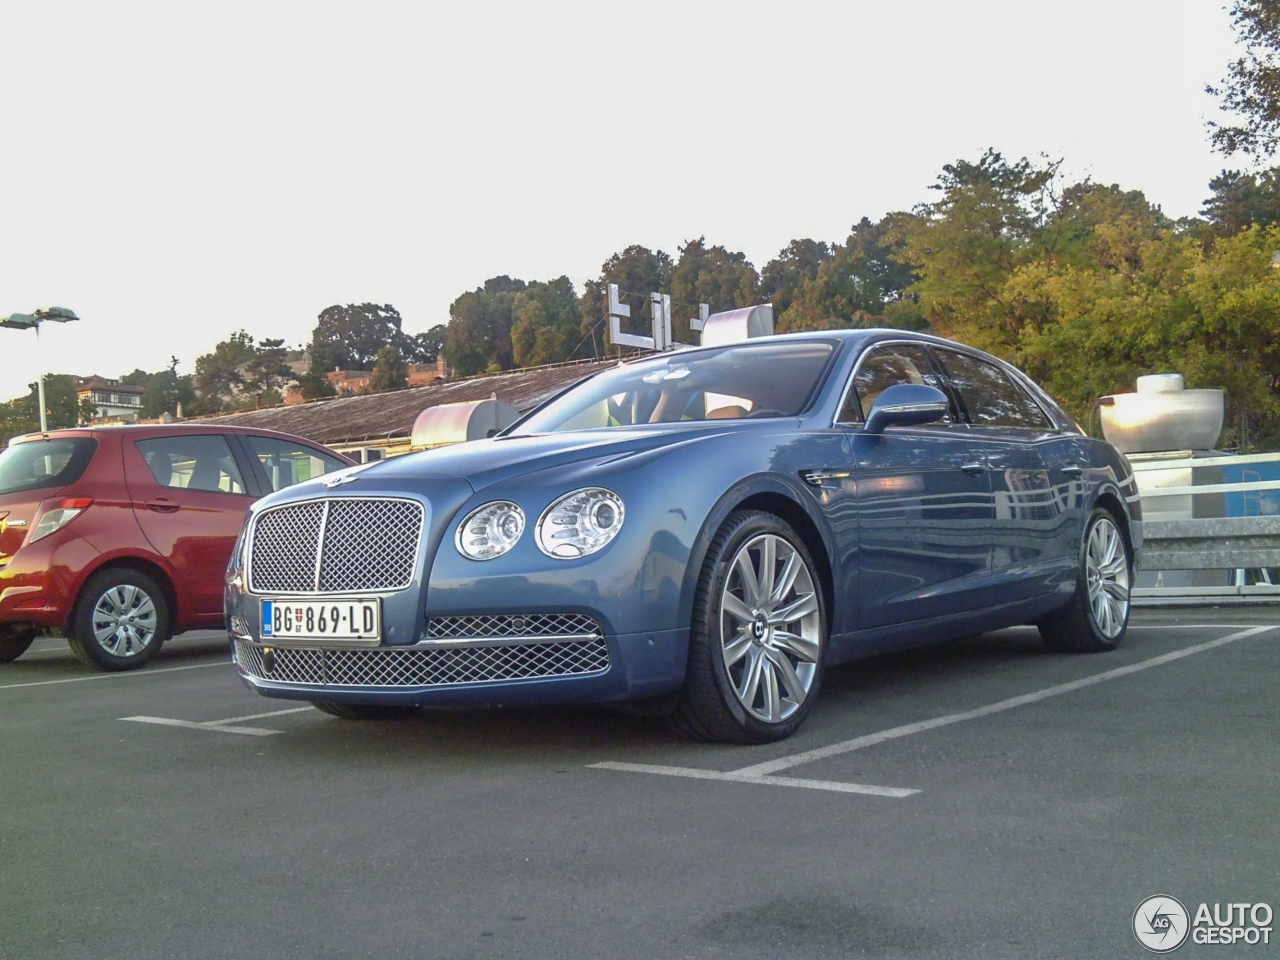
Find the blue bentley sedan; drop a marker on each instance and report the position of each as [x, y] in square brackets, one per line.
[704, 530]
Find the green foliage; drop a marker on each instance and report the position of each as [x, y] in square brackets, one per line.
[479, 336]
[795, 265]
[390, 372]
[220, 374]
[63, 408]
[1242, 200]
[858, 284]
[349, 337]
[315, 386]
[1251, 89]
[426, 347]
[720, 278]
[545, 323]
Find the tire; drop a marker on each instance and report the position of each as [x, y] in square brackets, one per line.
[759, 685]
[1096, 618]
[15, 641]
[364, 711]
[120, 620]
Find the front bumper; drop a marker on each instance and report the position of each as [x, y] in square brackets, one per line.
[480, 670]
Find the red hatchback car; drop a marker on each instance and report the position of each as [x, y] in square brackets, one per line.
[119, 536]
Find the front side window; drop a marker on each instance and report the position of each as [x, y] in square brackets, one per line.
[44, 464]
[989, 396]
[733, 382]
[193, 463]
[882, 368]
[289, 463]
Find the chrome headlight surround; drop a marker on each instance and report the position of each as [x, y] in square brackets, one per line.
[490, 530]
[580, 523]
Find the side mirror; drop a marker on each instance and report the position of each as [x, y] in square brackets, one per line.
[905, 405]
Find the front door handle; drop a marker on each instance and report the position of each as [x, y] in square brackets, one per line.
[162, 505]
[1072, 470]
[974, 467]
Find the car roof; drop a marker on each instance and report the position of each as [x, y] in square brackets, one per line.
[162, 429]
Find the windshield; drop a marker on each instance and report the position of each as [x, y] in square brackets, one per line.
[742, 381]
[42, 464]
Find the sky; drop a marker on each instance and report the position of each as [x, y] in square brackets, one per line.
[175, 172]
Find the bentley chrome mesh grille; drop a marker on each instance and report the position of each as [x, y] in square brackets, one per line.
[528, 625]
[361, 543]
[416, 667]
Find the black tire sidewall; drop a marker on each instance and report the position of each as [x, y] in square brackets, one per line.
[82, 620]
[749, 527]
[14, 643]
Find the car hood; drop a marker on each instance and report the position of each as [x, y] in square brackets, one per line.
[486, 462]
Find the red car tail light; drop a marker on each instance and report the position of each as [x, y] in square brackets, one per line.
[56, 514]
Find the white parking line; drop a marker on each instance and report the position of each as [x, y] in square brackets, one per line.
[223, 726]
[762, 773]
[115, 676]
[696, 774]
[894, 733]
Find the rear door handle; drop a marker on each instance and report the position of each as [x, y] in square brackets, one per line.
[974, 467]
[1072, 470]
[162, 505]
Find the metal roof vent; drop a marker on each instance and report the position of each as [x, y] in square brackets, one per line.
[448, 423]
[735, 325]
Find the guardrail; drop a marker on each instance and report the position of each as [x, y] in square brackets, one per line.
[1247, 541]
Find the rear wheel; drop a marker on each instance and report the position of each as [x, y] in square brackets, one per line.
[364, 711]
[1096, 618]
[120, 620]
[758, 636]
[15, 640]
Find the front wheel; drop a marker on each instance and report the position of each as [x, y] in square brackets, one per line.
[120, 620]
[1096, 618]
[758, 635]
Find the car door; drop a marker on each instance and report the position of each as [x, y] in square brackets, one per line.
[190, 497]
[1031, 476]
[923, 501]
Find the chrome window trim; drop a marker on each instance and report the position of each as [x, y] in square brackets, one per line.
[380, 593]
[923, 344]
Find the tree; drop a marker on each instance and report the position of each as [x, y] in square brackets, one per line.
[268, 371]
[784, 275]
[220, 374]
[315, 386]
[859, 284]
[1251, 89]
[718, 277]
[638, 272]
[427, 347]
[479, 337]
[546, 321]
[1242, 200]
[349, 337]
[390, 372]
[166, 391]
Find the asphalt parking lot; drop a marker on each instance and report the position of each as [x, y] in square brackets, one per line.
[983, 799]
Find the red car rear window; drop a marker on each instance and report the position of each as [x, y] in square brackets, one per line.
[43, 464]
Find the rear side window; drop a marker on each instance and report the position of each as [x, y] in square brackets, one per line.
[988, 395]
[289, 463]
[882, 368]
[193, 463]
[43, 464]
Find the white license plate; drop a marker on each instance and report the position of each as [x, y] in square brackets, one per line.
[322, 620]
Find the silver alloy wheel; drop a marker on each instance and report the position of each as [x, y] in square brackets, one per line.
[1107, 568]
[770, 628]
[124, 620]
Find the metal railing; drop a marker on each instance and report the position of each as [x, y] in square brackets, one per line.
[1244, 544]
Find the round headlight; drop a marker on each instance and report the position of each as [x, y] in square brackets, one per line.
[490, 531]
[580, 523]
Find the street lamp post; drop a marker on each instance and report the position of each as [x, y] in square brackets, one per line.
[32, 321]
